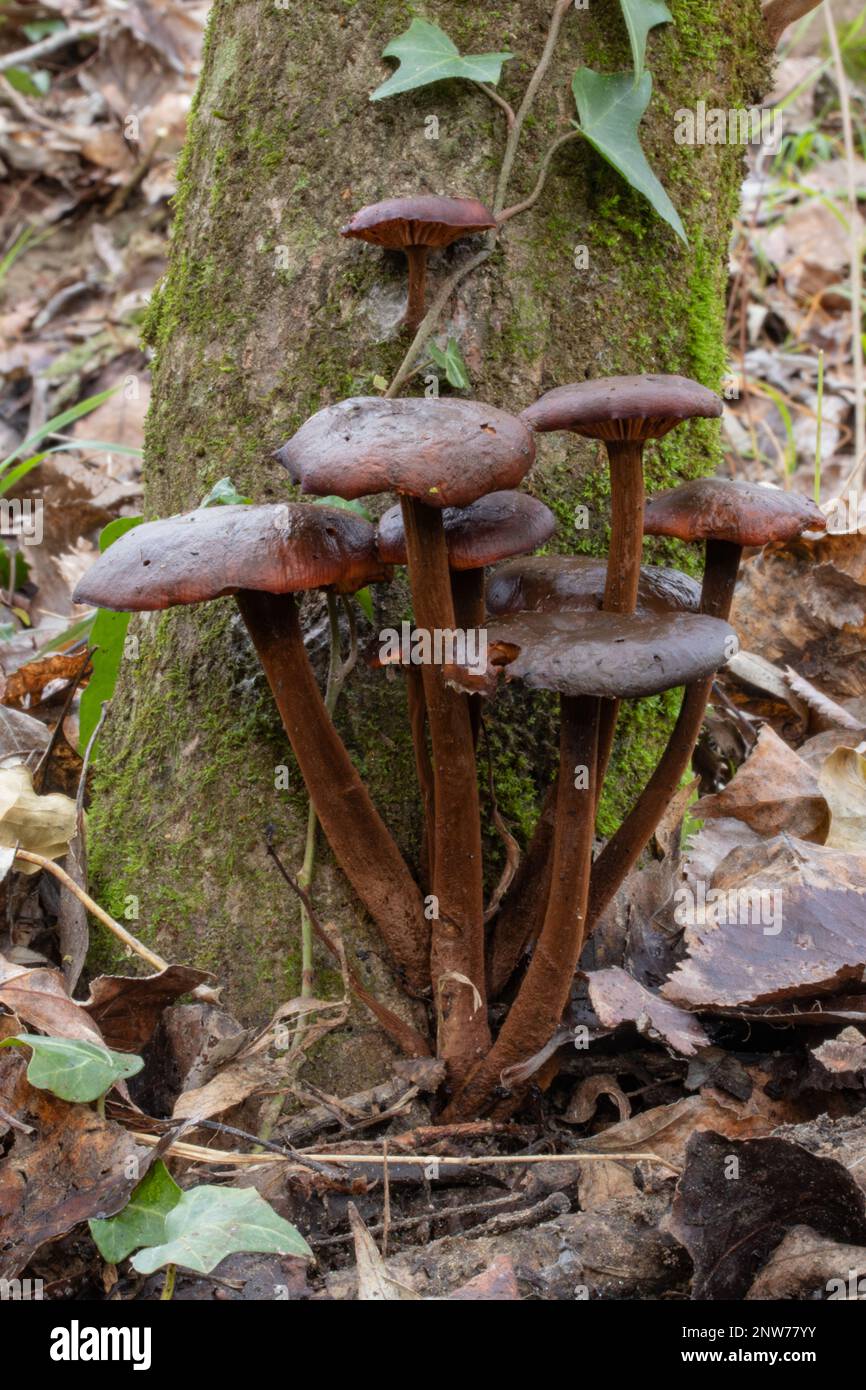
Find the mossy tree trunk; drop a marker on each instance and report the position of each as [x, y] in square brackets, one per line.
[266, 314]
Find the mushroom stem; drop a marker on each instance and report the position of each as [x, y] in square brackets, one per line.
[623, 849]
[358, 836]
[544, 993]
[628, 496]
[457, 950]
[519, 917]
[417, 259]
[423, 767]
[467, 591]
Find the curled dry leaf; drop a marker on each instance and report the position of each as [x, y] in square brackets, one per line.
[127, 1009]
[42, 824]
[807, 1265]
[773, 791]
[618, 998]
[842, 780]
[39, 998]
[804, 605]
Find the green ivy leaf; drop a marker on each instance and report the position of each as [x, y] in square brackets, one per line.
[426, 55]
[225, 494]
[450, 361]
[107, 636]
[610, 107]
[29, 82]
[345, 505]
[209, 1223]
[365, 603]
[142, 1221]
[72, 1068]
[641, 16]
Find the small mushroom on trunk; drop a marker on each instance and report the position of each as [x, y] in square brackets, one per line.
[416, 226]
[434, 454]
[727, 516]
[585, 658]
[264, 555]
[626, 412]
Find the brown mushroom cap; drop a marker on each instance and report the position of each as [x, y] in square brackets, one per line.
[443, 452]
[425, 220]
[493, 528]
[213, 551]
[611, 655]
[546, 583]
[721, 510]
[619, 408]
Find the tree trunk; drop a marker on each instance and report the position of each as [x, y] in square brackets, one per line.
[266, 315]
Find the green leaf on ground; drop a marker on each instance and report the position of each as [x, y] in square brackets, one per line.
[640, 16]
[450, 361]
[610, 107]
[345, 504]
[426, 55]
[142, 1221]
[30, 82]
[224, 493]
[72, 1068]
[107, 637]
[209, 1223]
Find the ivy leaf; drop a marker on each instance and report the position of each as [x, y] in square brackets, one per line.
[142, 1221]
[450, 361]
[365, 603]
[209, 1223]
[72, 1068]
[640, 16]
[30, 82]
[426, 55]
[224, 493]
[345, 505]
[107, 636]
[610, 107]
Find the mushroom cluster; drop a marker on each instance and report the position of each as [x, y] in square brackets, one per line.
[593, 632]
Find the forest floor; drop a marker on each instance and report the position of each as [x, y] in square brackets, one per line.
[683, 1044]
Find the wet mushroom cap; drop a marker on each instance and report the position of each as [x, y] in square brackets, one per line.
[721, 510]
[546, 583]
[612, 655]
[422, 221]
[621, 408]
[493, 528]
[446, 453]
[201, 555]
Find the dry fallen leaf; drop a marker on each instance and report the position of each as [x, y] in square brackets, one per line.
[41, 824]
[39, 997]
[773, 791]
[842, 780]
[617, 998]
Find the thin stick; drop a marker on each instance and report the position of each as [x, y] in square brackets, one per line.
[85, 761]
[120, 932]
[856, 248]
[61, 39]
[560, 10]
[198, 1154]
[431, 319]
[517, 208]
[494, 96]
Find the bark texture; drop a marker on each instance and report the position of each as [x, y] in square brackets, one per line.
[266, 315]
